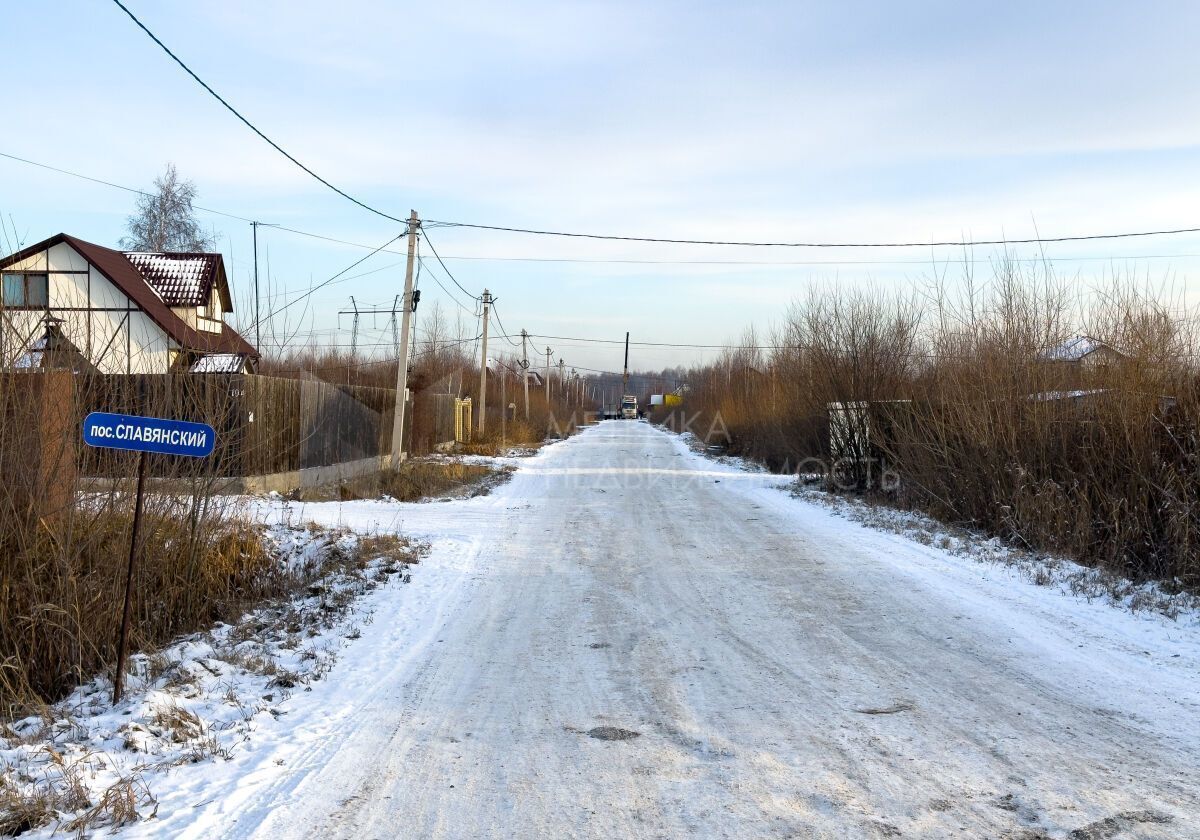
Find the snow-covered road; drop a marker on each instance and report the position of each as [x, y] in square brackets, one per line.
[789, 674]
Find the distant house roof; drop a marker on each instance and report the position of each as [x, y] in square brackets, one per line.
[52, 349]
[180, 279]
[1075, 349]
[1055, 396]
[120, 269]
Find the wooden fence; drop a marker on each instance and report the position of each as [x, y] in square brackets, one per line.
[264, 424]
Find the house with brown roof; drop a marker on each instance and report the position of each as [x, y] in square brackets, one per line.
[67, 303]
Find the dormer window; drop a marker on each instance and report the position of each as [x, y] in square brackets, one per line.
[26, 290]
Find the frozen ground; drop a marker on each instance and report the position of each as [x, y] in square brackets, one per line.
[629, 640]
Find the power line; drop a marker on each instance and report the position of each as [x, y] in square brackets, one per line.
[448, 274]
[283, 295]
[964, 243]
[438, 346]
[588, 261]
[247, 122]
[625, 238]
[449, 294]
[325, 283]
[781, 263]
[787, 346]
[594, 370]
[649, 239]
[658, 343]
[391, 360]
[117, 186]
[500, 324]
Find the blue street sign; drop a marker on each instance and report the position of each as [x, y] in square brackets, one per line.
[148, 434]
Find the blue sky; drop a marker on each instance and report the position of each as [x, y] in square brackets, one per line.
[867, 121]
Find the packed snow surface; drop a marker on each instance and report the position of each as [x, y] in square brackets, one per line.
[630, 640]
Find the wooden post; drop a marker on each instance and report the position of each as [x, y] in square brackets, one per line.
[54, 485]
[123, 640]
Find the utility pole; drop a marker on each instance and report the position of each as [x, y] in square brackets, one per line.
[354, 328]
[525, 370]
[257, 328]
[487, 300]
[548, 377]
[562, 382]
[625, 377]
[375, 312]
[414, 224]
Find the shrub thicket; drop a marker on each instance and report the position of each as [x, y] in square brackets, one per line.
[1097, 459]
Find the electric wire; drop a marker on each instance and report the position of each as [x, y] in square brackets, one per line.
[445, 269]
[247, 122]
[961, 243]
[625, 238]
[592, 261]
[450, 294]
[325, 283]
[500, 324]
[391, 360]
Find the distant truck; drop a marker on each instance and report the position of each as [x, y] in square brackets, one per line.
[629, 407]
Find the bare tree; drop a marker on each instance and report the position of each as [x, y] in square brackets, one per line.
[165, 220]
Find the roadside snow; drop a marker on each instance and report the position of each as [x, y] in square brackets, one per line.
[1061, 574]
[88, 765]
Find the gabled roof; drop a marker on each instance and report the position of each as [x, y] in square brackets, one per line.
[1074, 349]
[183, 279]
[121, 271]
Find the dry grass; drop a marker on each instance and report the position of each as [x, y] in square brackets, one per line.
[118, 806]
[63, 553]
[60, 605]
[415, 480]
[29, 806]
[391, 547]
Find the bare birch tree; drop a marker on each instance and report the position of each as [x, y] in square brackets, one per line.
[165, 220]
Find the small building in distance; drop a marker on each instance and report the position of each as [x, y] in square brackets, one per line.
[1073, 364]
[1083, 351]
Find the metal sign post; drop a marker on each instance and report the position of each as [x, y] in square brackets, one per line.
[142, 435]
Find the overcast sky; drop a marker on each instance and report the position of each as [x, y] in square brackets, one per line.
[792, 121]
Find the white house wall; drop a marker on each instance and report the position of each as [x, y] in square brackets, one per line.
[187, 314]
[150, 345]
[19, 328]
[35, 262]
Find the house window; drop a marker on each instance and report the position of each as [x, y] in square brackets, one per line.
[28, 290]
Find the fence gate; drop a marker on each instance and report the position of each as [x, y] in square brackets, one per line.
[462, 420]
